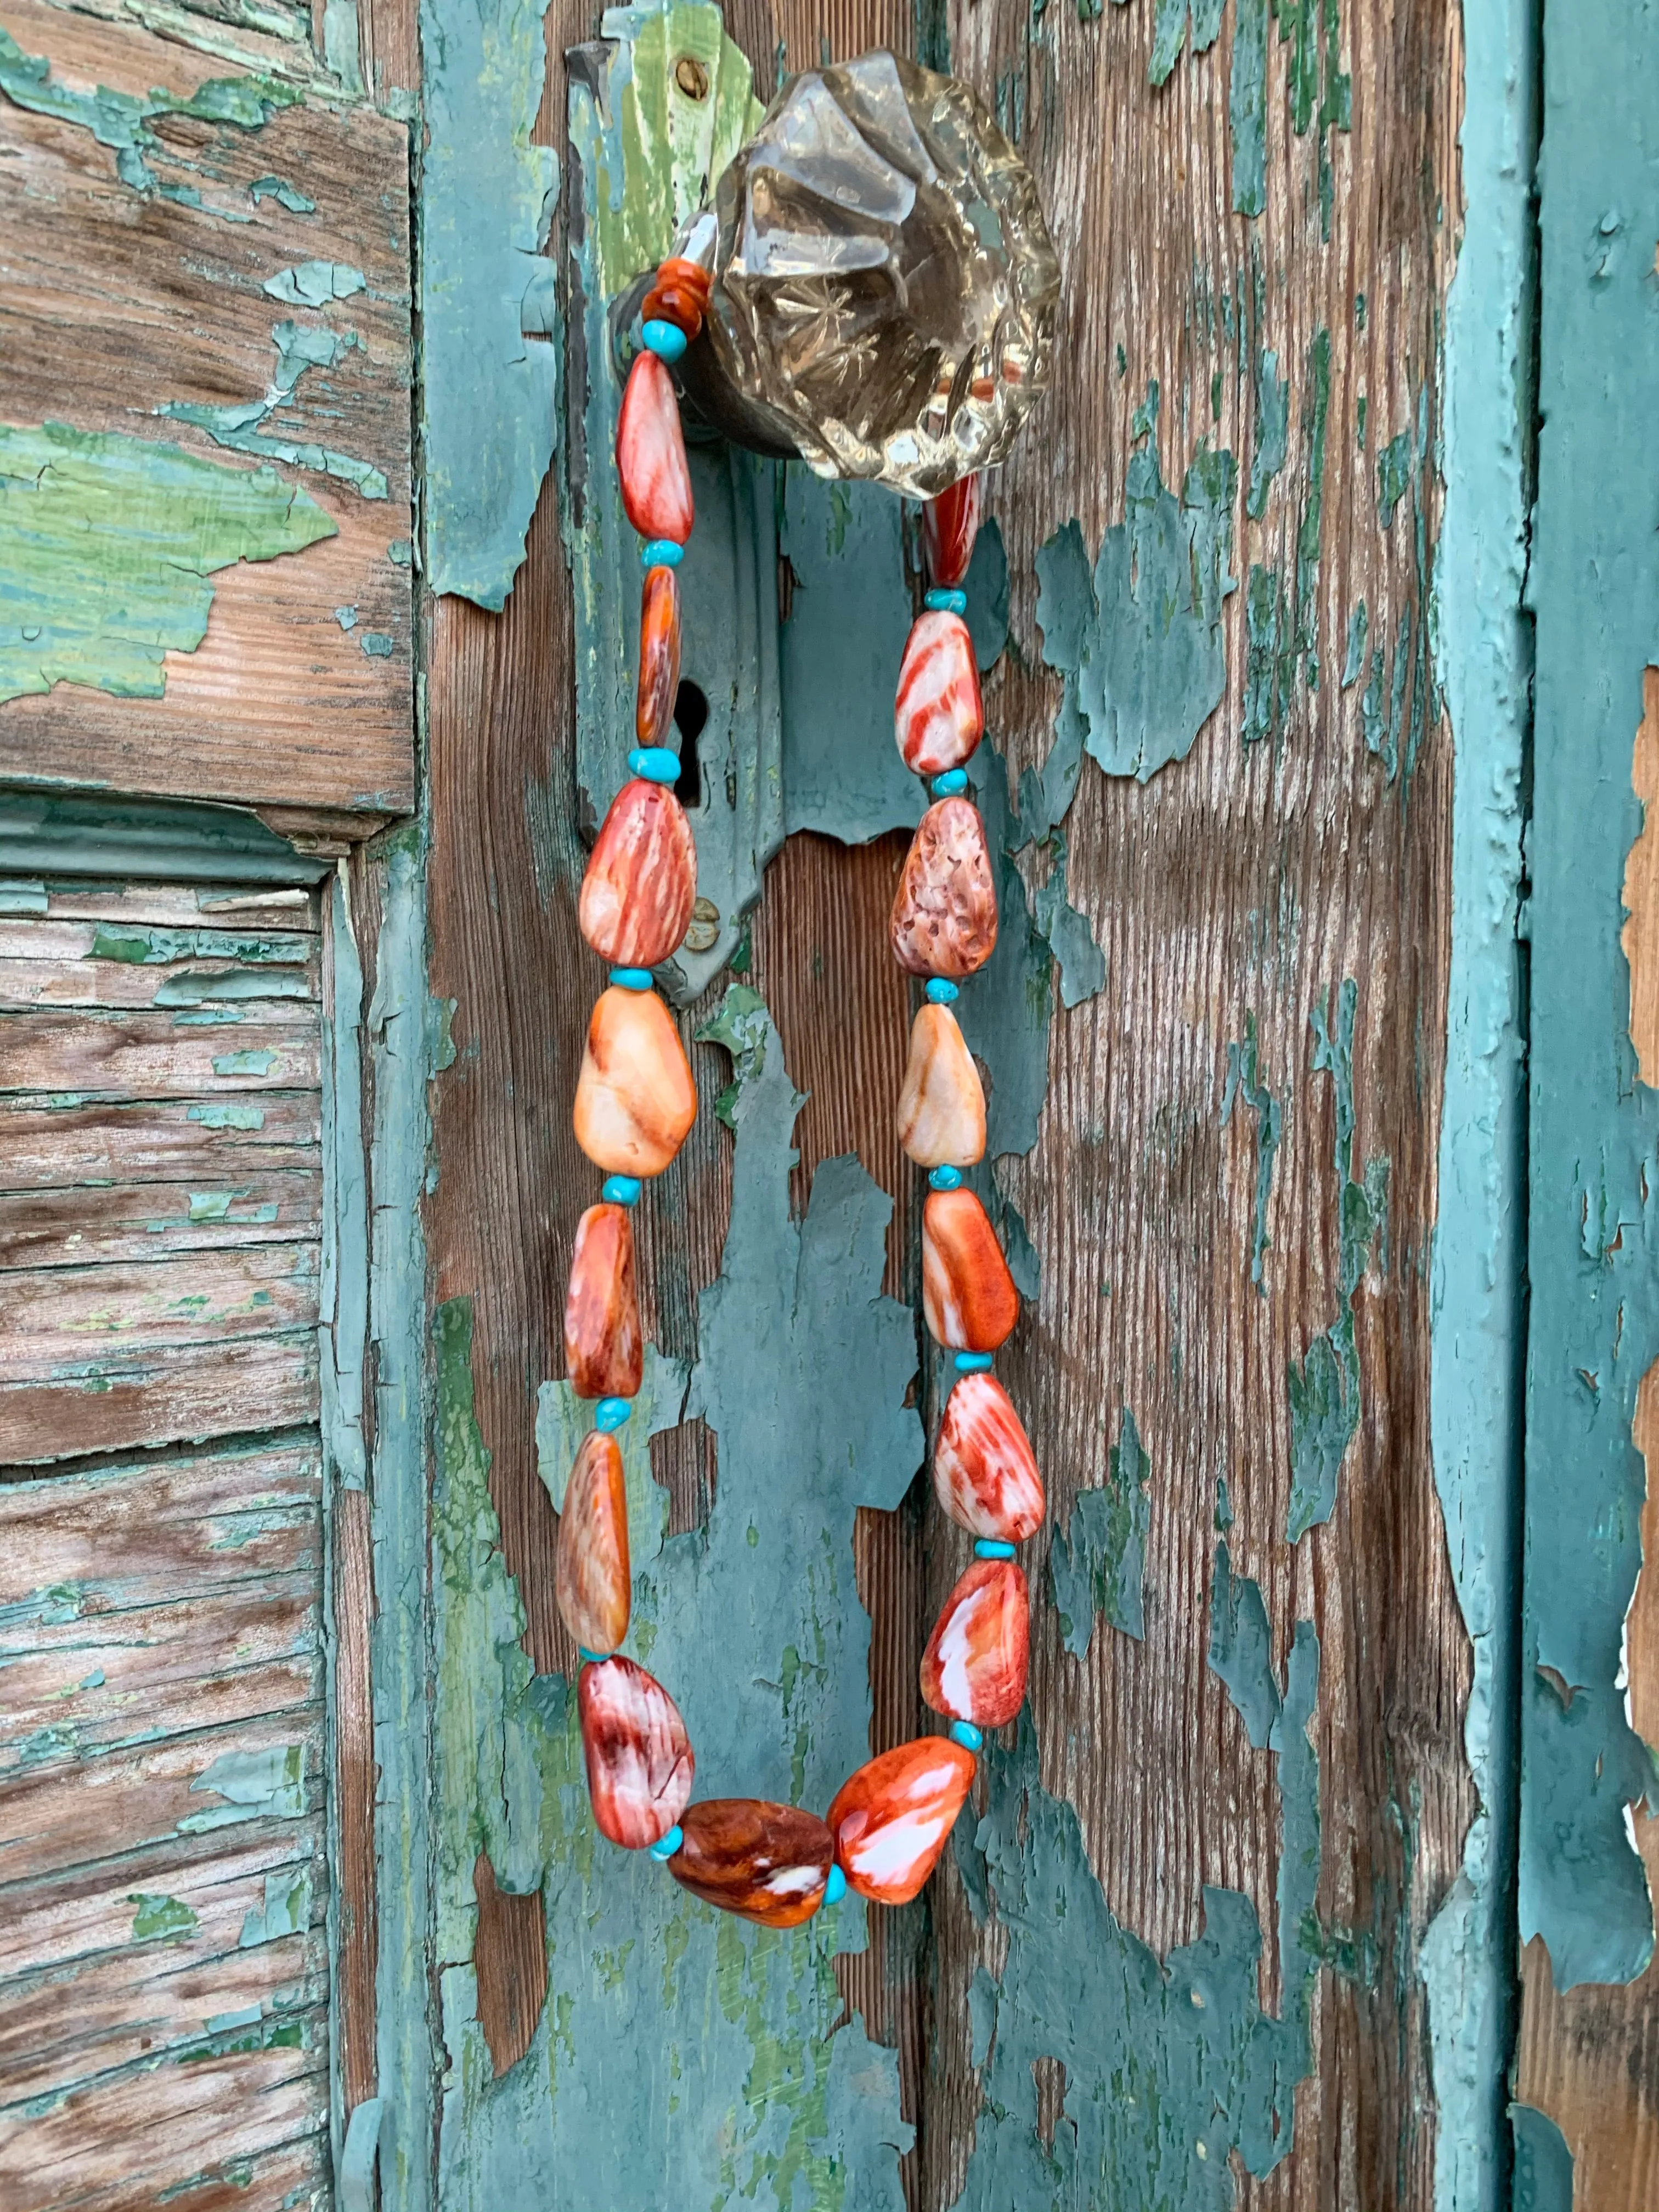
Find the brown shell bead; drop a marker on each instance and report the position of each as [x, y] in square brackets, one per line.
[638, 1755]
[660, 656]
[591, 1578]
[975, 1666]
[768, 1863]
[603, 1349]
[635, 1097]
[641, 879]
[968, 1295]
[944, 916]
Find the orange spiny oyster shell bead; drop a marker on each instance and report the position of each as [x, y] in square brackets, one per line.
[603, 1352]
[974, 1667]
[641, 879]
[768, 1864]
[638, 1755]
[945, 917]
[968, 1294]
[890, 1820]
[591, 1576]
[635, 1097]
[938, 719]
[950, 524]
[660, 656]
[656, 484]
[985, 1473]
[941, 1108]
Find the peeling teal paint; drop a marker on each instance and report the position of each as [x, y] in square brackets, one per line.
[1273, 423]
[1241, 1649]
[486, 206]
[315, 283]
[1543, 2163]
[1244, 1082]
[1170, 2066]
[150, 524]
[1485, 648]
[1067, 932]
[239, 425]
[1006, 1010]
[286, 1909]
[1170, 30]
[121, 121]
[284, 194]
[1097, 1565]
[1325, 1390]
[1247, 107]
[255, 1785]
[162, 1917]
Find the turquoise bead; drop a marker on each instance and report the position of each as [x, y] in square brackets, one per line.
[993, 1547]
[667, 341]
[593, 1658]
[944, 1178]
[621, 1190]
[973, 1363]
[941, 990]
[656, 764]
[950, 785]
[836, 1889]
[965, 1733]
[631, 979]
[666, 1846]
[611, 1412]
[661, 553]
[943, 600]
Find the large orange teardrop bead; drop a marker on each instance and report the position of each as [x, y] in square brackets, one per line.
[639, 1757]
[641, 880]
[656, 484]
[603, 1352]
[891, 1818]
[590, 1574]
[768, 1864]
[945, 917]
[660, 656]
[950, 524]
[634, 1096]
[974, 1667]
[968, 1294]
[985, 1473]
[938, 720]
[941, 1108]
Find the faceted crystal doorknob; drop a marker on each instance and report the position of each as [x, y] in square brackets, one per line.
[885, 284]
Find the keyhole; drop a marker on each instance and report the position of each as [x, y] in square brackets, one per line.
[690, 712]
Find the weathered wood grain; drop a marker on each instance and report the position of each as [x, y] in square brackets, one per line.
[65, 1144]
[181, 906]
[62, 1316]
[128, 1221]
[353, 1873]
[152, 1056]
[300, 694]
[184, 1393]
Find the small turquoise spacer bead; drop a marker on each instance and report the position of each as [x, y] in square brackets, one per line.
[621, 1190]
[593, 1658]
[993, 1547]
[656, 764]
[667, 341]
[973, 1363]
[944, 1178]
[611, 1412]
[666, 1846]
[941, 990]
[836, 1889]
[661, 553]
[950, 785]
[942, 600]
[631, 979]
[965, 1733]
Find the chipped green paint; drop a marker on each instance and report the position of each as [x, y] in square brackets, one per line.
[755, 2101]
[486, 206]
[255, 1785]
[1170, 2067]
[1170, 30]
[315, 283]
[284, 194]
[1543, 2163]
[285, 1911]
[1006, 1014]
[1315, 412]
[1247, 107]
[1244, 1083]
[159, 1918]
[1097, 1565]
[148, 524]
[239, 424]
[1067, 932]
[1318, 88]
[1241, 1649]
[1353, 659]
[1325, 1389]
[1394, 476]
[121, 121]
[135, 945]
[1273, 419]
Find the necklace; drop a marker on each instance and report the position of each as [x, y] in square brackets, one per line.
[635, 1100]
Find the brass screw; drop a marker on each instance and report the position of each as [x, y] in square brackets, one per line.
[691, 77]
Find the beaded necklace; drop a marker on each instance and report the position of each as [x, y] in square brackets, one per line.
[635, 1100]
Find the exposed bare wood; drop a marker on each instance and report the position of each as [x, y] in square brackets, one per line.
[129, 1221]
[151, 1055]
[512, 1966]
[182, 1394]
[1640, 937]
[66, 1146]
[356, 1775]
[283, 701]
